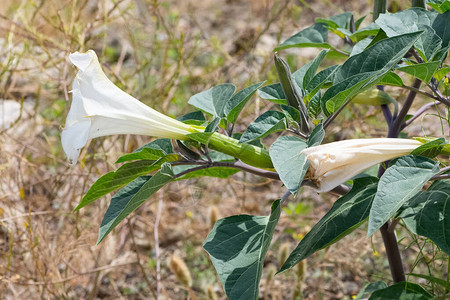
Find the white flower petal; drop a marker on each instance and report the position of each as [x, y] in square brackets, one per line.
[100, 108]
[334, 163]
[74, 138]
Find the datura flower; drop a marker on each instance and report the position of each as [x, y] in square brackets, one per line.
[100, 108]
[334, 163]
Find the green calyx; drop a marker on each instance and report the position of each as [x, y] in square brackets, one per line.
[247, 153]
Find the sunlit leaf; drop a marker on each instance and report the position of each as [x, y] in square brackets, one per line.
[401, 181]
[237, 246]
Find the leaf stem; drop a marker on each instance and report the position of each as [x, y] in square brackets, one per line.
[441, 98]
[333, 116]
[203, 164]
[422, 92]
[419, 112]
[340, 51]
[433, 85]
[235, 164]
[285, 197]
[441, 176]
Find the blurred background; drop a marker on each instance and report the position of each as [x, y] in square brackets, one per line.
[161, 52]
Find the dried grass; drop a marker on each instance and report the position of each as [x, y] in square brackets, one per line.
[161, 52]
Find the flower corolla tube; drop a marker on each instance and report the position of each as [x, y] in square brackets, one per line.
[335, 163]
[100, 108]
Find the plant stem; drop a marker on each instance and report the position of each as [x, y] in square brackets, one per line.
[379, 7]
[391, 245]
[393, 253]
[419, 112]
[387, 231]
[203, 164]
[418, 3]
[396, 127]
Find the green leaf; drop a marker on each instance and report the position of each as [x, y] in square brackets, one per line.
[401, 181]
[430, 149]
[238, 101]
[193, 118]
[288, 162]
[361, 46]
[381, 35]
[431, 44]
[347, 213]
[213, 101]
[214, 125]
[338, 94]
[273, 93]
[444, 149]
[294, 96]
[405, 21]
[369, 289]
[380, 57]
[422, 71]
[413, 20]
[391, 79]
[219, 156]
[402, 290]
[152, 151]
[358, 22]
[363, 70]
[440, 6]
[314, 107]
[428, 213]
[267, 123]
[441, 55]
[237, 246]
[441, 73]
[219, 172]
[292, 114]
[320, 80]
[313, 36]
[145, 153]
[316, 137]
[441, 26]
[338, 21]
[116, 179]
[370, 30]
[312, 68]
[131, 197]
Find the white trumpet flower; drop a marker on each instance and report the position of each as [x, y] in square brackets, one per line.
[100, 108]
[335, 163]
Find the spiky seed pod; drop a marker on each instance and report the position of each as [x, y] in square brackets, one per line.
[180, 269]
